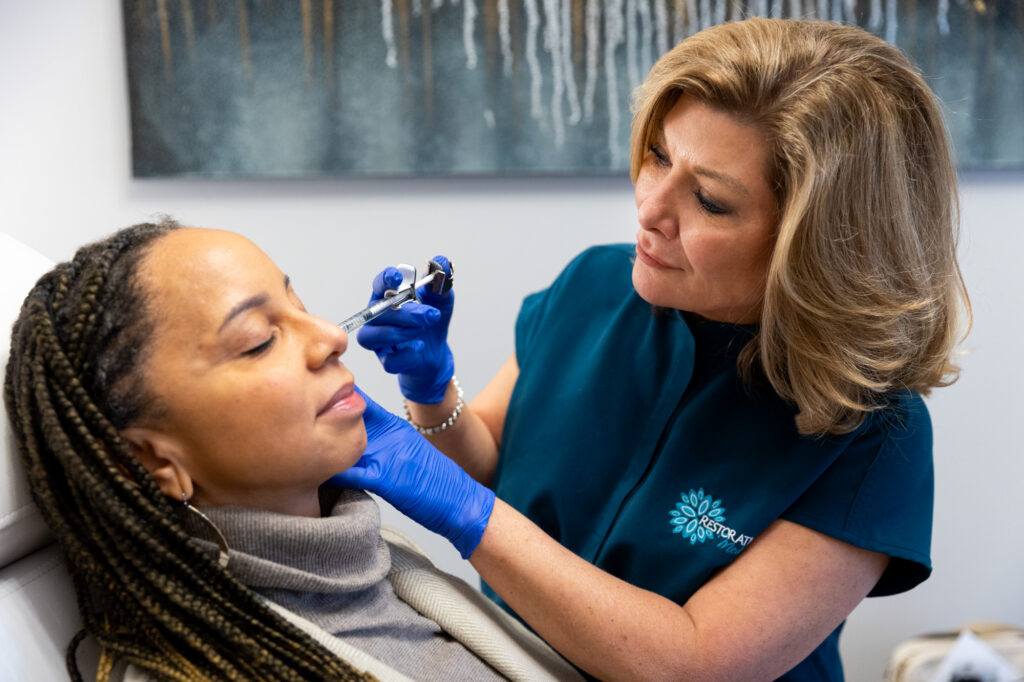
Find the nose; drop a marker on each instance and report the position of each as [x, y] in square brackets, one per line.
[658, 203]
[327, 341]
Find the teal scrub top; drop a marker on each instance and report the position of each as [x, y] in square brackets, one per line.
[631, 439]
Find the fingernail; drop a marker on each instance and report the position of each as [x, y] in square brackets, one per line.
[433, 315]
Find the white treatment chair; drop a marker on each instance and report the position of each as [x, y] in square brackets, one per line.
[38, 612]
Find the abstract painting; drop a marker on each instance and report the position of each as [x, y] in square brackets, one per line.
[307, 88]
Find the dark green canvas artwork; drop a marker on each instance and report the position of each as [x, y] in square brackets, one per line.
[306, 88]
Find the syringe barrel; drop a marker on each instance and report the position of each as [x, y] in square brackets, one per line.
[376, 310]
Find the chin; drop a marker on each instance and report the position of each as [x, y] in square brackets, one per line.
[348, 451]
[651, 290]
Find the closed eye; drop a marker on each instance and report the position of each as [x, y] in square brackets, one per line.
[708, 205]
[660, 157]
[260, 349]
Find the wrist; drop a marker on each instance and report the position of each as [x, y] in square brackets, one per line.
[440, 416]
[474, 522]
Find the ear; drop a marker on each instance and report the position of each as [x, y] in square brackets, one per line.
[164, 460]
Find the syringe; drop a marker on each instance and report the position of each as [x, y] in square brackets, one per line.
[439, 281]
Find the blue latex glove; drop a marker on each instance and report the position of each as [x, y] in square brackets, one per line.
[412, 341]
[419, 480]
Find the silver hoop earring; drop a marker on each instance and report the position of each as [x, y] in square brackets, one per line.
[222, 543]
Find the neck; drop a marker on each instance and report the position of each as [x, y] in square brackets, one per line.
[305, 503]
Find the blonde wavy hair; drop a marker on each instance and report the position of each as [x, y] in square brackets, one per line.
[864, 295]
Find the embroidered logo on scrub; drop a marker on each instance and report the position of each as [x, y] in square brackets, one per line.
[699, 517]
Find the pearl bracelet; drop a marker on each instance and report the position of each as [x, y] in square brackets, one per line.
[430, 430]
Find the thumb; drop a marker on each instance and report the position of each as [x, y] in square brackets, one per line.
[378, 421]
[373, 412]
[363, 474]
[366, 398]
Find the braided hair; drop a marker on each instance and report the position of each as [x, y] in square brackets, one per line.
[149, 594]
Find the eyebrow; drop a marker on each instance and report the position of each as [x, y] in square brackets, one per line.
[249, 303]
[721, 177]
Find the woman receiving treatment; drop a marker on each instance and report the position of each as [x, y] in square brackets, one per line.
[164, 371]
[711, 445]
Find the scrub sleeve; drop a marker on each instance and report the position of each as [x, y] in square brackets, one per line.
[631, 439]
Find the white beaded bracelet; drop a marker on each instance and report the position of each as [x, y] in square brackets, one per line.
[430, 430]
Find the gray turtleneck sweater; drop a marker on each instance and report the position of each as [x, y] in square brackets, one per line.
[333, 572]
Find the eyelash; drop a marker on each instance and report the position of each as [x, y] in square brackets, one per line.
[706, 205]
[660, 158]
[709, 206]
[262, 348]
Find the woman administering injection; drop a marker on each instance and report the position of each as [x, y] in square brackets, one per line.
[702, 472]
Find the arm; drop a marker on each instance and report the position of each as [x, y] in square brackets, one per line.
[755, 619]
[759, 617]
[473, 440]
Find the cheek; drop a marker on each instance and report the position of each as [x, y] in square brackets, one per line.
[725, 254]
[640, 192]
[239, 409]
[759, 253]
[705, 251]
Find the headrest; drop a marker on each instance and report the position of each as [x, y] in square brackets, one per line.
[22, 530]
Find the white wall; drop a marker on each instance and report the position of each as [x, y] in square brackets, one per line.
[65, 179]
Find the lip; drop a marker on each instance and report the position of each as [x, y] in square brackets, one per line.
[345, 401]
[647, 259]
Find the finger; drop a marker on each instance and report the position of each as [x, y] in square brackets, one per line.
[351, 478]
[384, 337]
[442, 302]
[383, 355]
[371, 404]
[368, 471]
[427, 294]
[377, 420]
[388, 278]
[376, 337]
[399, 359]
[373, 416]
[404, 358]
[411, 314]
[444, 263]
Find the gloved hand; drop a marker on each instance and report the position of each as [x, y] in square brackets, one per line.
[412, 341]
[419, 480]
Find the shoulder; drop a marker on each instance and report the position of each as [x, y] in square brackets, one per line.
[597, 279]
[896, 448]
[603, 268]
[905, 422]
[895, 440]
[602, 261]
[878, 493]
[893, 508]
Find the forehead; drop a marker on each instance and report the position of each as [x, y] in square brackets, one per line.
[712, 128]
[714, 138]
[197, 274]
